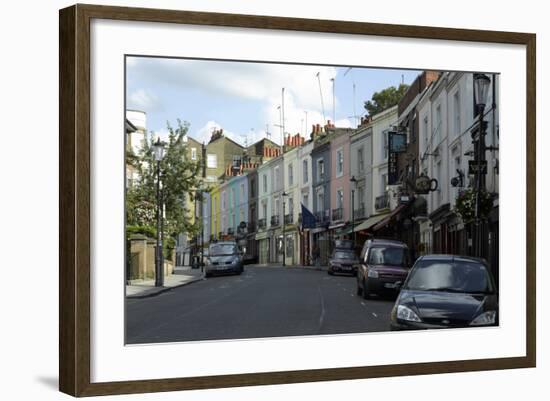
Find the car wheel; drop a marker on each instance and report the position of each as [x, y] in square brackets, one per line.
[330, 272]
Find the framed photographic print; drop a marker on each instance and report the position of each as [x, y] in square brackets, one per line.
[264, 200]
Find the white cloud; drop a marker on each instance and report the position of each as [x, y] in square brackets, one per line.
[144, 101]
[260, 82]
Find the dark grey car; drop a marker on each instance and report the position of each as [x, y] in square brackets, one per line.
[224, 257]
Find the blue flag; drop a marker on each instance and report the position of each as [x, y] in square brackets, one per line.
[308, 219]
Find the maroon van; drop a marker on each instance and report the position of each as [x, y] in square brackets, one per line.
[383, 263]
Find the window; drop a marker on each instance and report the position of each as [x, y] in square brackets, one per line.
[339, 162]
[361, 196]
[290, 206]
[320, 169]
[383, 181]
[264, 210]
[305, 200]
[304, 163]
[425, 130]
[277, 209]
[339, 199]
[290, 175]
[265, 183]
[385, 147]
[360, 160]
[455, 173]
[242, 192]
[212, 160]
[456, 111]
[437, 131]
[320, 202]
[437, 193]
[276, 179]
[193, 153]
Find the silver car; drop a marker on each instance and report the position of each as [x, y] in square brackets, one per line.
[224, 257]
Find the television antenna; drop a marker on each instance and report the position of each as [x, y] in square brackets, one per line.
[353, 81]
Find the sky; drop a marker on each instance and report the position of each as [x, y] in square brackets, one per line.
[246, 98]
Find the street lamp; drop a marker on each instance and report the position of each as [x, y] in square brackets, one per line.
[353, 181]
[284, 239]
[158, 150]
[481, 90]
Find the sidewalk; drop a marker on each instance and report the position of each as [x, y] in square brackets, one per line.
[146, 288]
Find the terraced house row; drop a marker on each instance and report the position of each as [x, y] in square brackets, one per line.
[398, 174]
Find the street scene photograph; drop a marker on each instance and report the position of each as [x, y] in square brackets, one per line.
[277, 200]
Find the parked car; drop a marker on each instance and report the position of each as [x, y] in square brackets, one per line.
[446, 291]
[383, 263]
[224, 257]
[343, 260]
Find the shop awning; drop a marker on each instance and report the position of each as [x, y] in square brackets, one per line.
[261, 235]
[336, 226]
[344, 230]
[371, 221]
[382, 223]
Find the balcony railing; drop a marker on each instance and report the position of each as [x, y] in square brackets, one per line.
[274, 221]
[289, 218]
[382, 202]
[322, 217]
[337, 214]
[251, 226]
[359, 213]
[261, 224]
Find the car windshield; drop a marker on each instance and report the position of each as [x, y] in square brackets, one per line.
[455, 276]
[344, 255]
[387, 256]
[223, 249]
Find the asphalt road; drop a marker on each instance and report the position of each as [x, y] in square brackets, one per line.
[262, 302]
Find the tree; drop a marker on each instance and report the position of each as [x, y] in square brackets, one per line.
[180, 177]
[386, 98]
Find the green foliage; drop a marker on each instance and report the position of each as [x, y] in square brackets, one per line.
[466, 204]
[386, 98]
[180, 177]
[148, 231]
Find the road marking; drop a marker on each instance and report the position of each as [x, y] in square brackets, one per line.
[362, 303]
[322, 315]
[374, 314]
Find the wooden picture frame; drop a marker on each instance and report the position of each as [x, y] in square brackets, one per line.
[75, 200]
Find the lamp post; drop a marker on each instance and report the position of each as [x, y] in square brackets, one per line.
[284, 194]
[481, 91]
[158, 148]
[353, 181]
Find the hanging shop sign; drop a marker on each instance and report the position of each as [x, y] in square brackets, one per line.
[477, 167]
[397, 142]
[425, 185]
